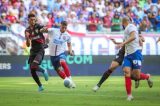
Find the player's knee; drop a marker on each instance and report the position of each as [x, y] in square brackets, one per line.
[62, 61]
[34, 67]
[127, 73]
[58, 69]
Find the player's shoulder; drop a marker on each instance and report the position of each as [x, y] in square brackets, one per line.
[131, 27]
[27, 29]
[67, 33]
[38, 25]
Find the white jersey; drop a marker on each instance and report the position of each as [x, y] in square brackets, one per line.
[57, 42]
[134, 45]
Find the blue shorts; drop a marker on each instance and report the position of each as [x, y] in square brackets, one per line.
[134, 60]
[56, 60]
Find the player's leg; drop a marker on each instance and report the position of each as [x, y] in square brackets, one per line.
[57, 66]
[66, 69]
[137, 64]
[38, 59]
[141, 76]
[106, 74]
[127, 66]
[128, 82]
[33, 68]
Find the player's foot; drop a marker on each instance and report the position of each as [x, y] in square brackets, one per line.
[95, 88]
[150, 82]
[130, 97]
[136, 83]
[40, 88]
[73, 84]
[45, 74]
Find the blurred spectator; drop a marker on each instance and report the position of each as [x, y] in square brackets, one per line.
[135, 9]
[145, 24]
[51, 22]
[158, 21]
[14, 10]
[107, 20]
[11, 18]
[62, 12]
[158, 4]
[3, 22]
[116, 22]
[140, 13]
[33, 5]
[57, 5]
[137, 20]
[22, 19]
[152, 17]
[117, 6]
[92, 22]
[43, 19]
[66, 6]
[3, 6]
[58, 21]
[147, 5]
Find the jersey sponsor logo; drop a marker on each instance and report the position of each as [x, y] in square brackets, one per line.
[58, 41]
[36, 37]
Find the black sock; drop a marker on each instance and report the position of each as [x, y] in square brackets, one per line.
[35, 77]
[104, 77]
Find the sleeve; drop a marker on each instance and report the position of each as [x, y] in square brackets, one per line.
[27, 34]
[40, 26]
[131, 29]
[51, 31]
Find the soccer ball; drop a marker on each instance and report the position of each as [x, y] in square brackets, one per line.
[67, 83]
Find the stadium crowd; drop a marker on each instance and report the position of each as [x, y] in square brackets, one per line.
[96, 15]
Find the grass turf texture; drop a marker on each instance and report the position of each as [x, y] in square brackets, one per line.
[22, 91]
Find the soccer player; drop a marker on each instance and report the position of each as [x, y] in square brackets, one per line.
[58, 38]
[133, 56]
[36, 40]
[116, 63]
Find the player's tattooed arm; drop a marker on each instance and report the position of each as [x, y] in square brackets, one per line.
[44, 29]
[130, 39]
[141, 40]
[70, 51]
[27, 38]
[114, 41]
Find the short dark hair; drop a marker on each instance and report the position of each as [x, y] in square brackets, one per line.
[64, 23]
[31, 15]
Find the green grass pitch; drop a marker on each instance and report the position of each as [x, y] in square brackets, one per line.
[22, 91]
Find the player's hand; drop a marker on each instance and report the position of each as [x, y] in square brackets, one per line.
[158, 40]
[71, 53]
[118, 46]
[113, 40]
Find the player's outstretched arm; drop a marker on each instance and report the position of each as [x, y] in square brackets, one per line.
[44, 29]
[114, 41]
[130, 39]
[70, 51]
[27, 39]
